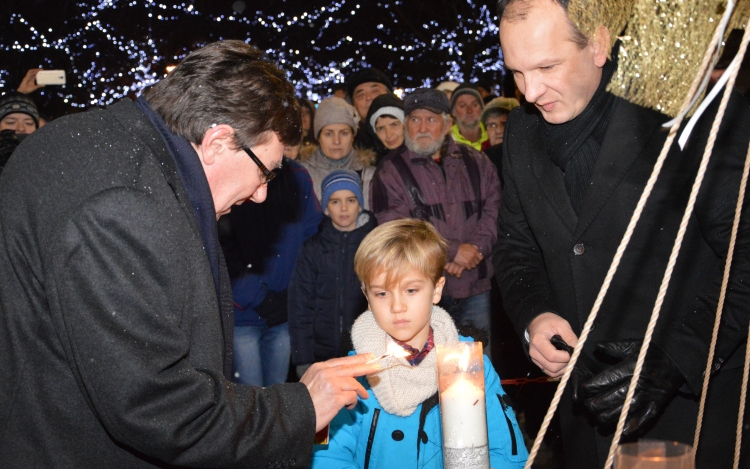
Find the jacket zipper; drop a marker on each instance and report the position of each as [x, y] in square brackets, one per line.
[371, 438]
[514, 447]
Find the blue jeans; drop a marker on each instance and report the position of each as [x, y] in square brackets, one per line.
[261, 354]
[474, 310]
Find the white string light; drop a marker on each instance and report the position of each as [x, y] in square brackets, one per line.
[302, 42]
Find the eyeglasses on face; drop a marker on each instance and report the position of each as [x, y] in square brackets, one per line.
[268, 175]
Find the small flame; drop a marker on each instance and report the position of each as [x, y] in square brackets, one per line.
[396, 350]
[461, 358]
[463, 361]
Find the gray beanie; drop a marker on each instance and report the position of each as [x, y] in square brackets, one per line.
[335, 110]
[466, 89]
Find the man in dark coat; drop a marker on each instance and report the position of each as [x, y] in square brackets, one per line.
[115, 305]
[575, 163]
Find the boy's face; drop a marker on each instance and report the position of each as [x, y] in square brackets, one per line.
[343, 208]
[403, 309]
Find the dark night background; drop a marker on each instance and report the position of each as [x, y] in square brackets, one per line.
[112, 48]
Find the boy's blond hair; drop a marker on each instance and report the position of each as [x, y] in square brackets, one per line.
[399, 246]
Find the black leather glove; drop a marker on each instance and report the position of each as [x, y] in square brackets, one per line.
[604, 394]
[584, 370]
[273, 308]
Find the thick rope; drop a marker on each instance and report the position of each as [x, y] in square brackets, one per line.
[670, 267]
[619, 253]
[743, 399]
[727, 265]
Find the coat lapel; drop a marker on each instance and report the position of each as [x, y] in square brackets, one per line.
[627, 134]
[549, 177]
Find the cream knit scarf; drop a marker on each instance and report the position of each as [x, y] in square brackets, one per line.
[401, 388]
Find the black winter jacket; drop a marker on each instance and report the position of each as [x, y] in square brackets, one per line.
[325, 296]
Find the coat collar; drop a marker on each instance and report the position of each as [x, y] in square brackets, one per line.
[138, 125]
[630, 129]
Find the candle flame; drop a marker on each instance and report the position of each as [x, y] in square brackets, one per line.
[463, 361]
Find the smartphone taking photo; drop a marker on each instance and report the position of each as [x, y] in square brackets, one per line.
[50, 77]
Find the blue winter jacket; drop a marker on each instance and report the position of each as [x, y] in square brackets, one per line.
[265, 240]
[368, 436]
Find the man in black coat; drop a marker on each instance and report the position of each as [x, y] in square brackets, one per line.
[576, 160]
[115, 305]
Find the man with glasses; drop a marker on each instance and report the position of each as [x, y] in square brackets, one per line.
[115, 303]
[455, 188]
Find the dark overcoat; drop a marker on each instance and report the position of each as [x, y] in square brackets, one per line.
[114, 351]
[548, 258]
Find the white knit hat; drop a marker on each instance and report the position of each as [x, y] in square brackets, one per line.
[335, 110]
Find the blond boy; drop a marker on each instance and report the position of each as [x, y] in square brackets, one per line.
[400, 265]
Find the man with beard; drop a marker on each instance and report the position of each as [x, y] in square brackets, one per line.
[575, 162]
[466, 110]
[452, 186]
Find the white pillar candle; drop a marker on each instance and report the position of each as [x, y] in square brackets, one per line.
[462, 409]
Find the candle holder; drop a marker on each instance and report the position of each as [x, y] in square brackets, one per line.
[654, 454]
[462, 405]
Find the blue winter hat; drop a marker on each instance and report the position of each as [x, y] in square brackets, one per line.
[339, 180]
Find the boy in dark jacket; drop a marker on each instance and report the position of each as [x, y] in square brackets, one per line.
[324, 293]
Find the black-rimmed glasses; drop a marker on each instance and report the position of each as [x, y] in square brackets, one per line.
[267, 173]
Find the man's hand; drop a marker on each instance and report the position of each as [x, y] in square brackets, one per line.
[454, 269]
[332, 385]
[542, 352]
[28, 84]
[468, 256]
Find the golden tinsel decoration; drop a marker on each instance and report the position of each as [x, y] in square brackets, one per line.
[662, 43]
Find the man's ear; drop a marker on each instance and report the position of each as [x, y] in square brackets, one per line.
[601, 44]
[215, 141]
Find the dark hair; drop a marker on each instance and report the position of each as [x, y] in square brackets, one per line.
[228, 82]
[492, 112]
[308, 139]
[521, 9]
[342, 87]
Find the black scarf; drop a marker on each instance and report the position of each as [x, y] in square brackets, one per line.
[574, 145]
[196, 185]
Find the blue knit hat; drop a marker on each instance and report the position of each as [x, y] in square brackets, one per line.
[342, 179]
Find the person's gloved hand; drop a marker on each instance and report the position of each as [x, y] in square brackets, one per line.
[584, 370]
[604, 394]
[273, 308]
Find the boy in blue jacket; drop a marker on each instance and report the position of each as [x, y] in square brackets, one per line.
[400, 265]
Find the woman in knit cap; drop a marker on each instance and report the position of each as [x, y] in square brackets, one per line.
[494, 116]
[18, 113]
[386, 117]
[334, 127]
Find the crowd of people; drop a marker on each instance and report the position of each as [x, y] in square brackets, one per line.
[149, 317]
